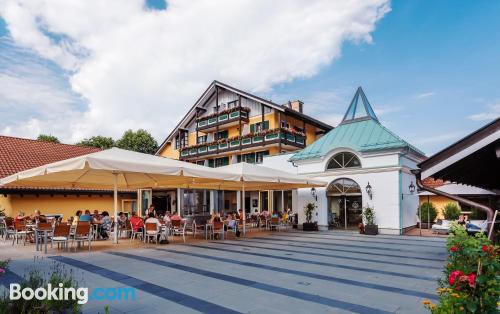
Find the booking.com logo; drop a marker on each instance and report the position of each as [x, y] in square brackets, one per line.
[69, 293]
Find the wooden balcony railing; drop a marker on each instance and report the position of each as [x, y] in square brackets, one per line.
[223, 117]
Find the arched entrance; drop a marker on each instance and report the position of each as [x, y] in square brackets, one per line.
[344, 203]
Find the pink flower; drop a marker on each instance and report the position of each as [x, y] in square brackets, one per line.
[2, 271]
[472, 280]
[453, 276]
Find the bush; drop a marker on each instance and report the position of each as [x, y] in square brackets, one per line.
[470, 283]
[308, 211]
[428, 212]
[451, 211]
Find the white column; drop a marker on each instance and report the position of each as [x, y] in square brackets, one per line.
[115, 205]
[283, 200]
[179, 201]
[238, 200]
[213, 195]
[244, 212]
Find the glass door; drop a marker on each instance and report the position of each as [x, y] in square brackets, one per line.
[145, 199]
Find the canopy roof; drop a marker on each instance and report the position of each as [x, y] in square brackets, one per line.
[360, 130]
[137, 170]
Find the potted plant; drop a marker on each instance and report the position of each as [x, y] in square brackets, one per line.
[369, 219]
[427, 214]
[308, 211]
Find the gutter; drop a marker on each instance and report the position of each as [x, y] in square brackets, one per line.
[488, 210]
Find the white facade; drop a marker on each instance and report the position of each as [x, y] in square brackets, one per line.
[387, 172]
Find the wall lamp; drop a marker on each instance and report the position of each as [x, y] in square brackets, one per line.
[369, 190]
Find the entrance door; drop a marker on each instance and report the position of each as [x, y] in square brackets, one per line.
[344, 204]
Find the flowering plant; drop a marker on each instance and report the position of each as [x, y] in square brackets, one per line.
[471, 281]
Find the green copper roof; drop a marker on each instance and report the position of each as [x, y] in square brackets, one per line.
[362, 133]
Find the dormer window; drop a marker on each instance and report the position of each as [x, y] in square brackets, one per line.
[343, 160]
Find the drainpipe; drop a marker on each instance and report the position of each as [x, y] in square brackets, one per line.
[489, 211]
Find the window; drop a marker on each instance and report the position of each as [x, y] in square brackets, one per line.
[221, 134]
[200, 162]
[259, 156]
[232, 104]
[343, 160]
[211, 163]
[257, 127]
[285, 125]
[223, 161]
[201, 139]
[343, 186]
[181, 141]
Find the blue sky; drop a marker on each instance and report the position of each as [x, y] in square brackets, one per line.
[431, 74]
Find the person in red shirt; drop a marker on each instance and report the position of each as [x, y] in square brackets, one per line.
[136, 222]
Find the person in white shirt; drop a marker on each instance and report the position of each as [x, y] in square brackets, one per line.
[153, 219]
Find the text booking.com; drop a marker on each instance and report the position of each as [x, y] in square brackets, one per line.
[81, 295]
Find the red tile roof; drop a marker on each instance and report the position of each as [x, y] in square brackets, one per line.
[430, 182]
[18, 154]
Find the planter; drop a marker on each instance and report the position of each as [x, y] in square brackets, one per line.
[310, 226]
[371, 229]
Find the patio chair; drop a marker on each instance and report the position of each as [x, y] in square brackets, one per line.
[127, 228]
[198, 227]
[43, 226]
[151, 231]
[136, 234]
[61, 234]
[218, 228]
[263, 222]
[274, 223]
[189, 222]
[20, 231]
[82, 233]
[178, 227]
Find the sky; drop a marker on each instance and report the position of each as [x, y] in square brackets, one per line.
[75, 69]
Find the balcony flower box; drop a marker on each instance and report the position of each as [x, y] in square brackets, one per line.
[246, 141]
[290, 137]
[244, 114]
[223, 117]
[202, 123]
[193, 151]
[212, 120]
[184, 153]
[257, 139]
[202, 149]
[234, 114]
[271, 136]
[223, 145]
[212, 148]
[234, 143]
[299, 140]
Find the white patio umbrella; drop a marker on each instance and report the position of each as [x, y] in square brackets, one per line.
[117, 168]
[257, 177]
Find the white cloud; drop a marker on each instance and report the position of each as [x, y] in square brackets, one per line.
[493, 112]
[426, 95]
[440, 138]
[144, 68]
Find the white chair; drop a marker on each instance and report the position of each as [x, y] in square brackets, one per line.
[444, 227]
[20, 231]
[178, 227]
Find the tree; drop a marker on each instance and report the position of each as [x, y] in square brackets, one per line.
[139, 141]
[98, 141]
[48, 138]
[451, 211]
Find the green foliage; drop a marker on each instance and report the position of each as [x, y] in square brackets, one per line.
[2, 211]
[48, 138]
[451, 211]
[98, 141]
[477, 214]
[369, 216]
[470, 283]
[428, 212]
[308, 211]
[35, 279]
[139, 141]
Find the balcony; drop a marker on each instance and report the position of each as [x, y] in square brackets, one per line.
[268, 137]
[227, 117]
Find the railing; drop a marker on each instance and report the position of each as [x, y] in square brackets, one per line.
[285, 136]
[223, 117]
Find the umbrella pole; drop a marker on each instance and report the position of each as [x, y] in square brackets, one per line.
[243, 211]
[115, 205]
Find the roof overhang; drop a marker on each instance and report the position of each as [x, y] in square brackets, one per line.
[473, 160]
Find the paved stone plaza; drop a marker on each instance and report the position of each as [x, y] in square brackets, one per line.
[285, 272]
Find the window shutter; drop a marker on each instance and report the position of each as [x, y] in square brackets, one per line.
[266, 125]
[252, 128]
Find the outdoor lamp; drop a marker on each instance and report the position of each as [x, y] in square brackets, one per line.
[313, 193]
[369, 190]
[412, 187]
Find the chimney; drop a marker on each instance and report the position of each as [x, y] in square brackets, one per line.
[296, 105]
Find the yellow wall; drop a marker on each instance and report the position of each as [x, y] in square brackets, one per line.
[170, 152]
[58, 204]
[439, 202]
[5, 204]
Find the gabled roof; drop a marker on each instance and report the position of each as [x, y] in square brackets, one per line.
[210, 92]
[19, 154]
[360, 131]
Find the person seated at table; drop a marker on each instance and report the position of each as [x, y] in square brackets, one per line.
[104, 225]
[136, 222]
[265, 213]
[167, 218]
[175, 216]
[231, 222]
[21, 217]
[76, 218]
[86, 216]
[122, 220]
[152, 219]
[284, 216]
[38, 217]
